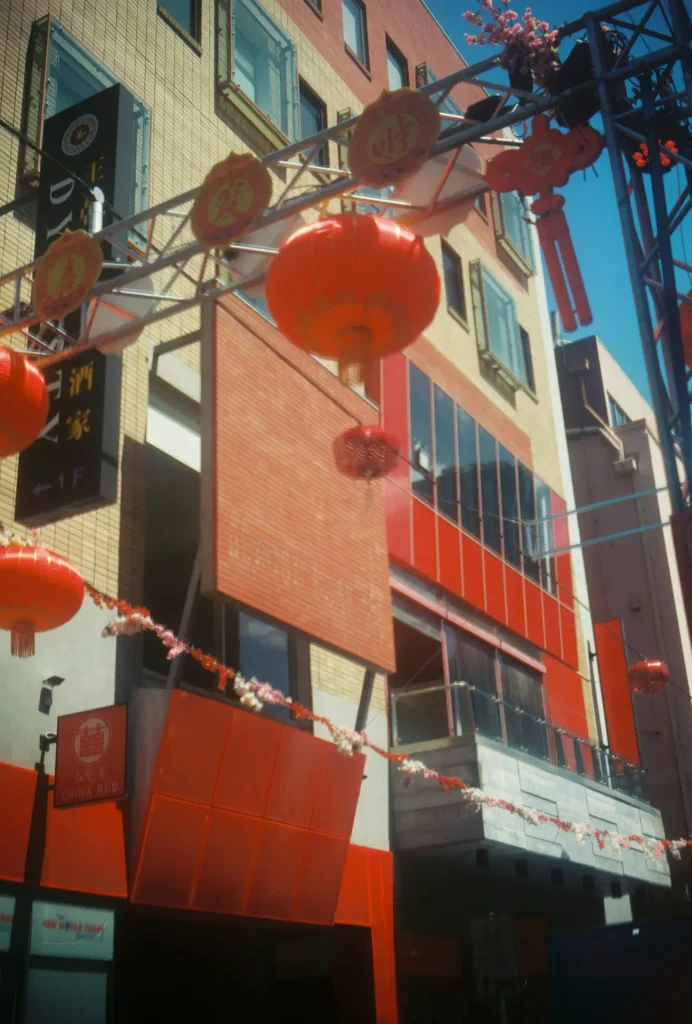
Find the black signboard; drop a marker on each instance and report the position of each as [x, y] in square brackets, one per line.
[73, 466]
[94, 140]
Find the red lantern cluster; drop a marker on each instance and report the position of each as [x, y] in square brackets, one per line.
[648, 676]
[366, 453]
[39, 590]
[353, 288]
[641, 155]
[23, 402]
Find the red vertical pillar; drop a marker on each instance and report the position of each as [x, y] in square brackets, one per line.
[381, 887]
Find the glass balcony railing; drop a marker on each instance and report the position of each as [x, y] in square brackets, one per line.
[436, 712]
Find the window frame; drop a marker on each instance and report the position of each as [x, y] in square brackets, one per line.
[426, 76]
[393, 52]
[617, 417]
[363, 61]
[450, 254]
[193, 38]
[525, 260]
[478, 273]
[305, 90]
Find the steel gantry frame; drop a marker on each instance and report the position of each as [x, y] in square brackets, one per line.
[657, 52]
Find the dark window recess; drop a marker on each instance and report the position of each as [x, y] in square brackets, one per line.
[421, 435]
[355, 29]
[545, 536]
[618, 416]
[468, 473]
[397, 67]
[454, 281]
[186, 14]
[317, 4]
[522, 696]
[528, 361]
[487, 454]
[445, 456]
[473, 662]
[313, 119]
[529, 530]
[510, 510]
[481, 204]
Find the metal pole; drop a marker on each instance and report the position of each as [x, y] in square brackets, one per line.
[629, 231]
[365, 698]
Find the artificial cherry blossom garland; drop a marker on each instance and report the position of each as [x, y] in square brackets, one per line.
[254, 694]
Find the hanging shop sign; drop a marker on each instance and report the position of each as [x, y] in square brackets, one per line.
[90, 756]
[74, 933]
[494, 957]
[6, 919]
[73, 465]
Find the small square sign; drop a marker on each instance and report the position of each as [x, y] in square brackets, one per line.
[90, 759]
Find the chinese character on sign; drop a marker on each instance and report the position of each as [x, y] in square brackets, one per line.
[393, 138]
[81, 376]
[78, 425]
[92, 741]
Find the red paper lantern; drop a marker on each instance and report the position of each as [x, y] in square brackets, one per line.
[366, 453]
[39, 590]
[648, 676]
[686, 328]
[23, 402]
[353, 288]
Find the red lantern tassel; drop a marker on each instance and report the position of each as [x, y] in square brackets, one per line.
[355, 346]
[556, 243]
[22, 640]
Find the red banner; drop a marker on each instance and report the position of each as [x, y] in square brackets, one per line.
[90, 757]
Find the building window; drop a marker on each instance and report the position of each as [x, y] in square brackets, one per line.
[471, 661]
[454, 281]
[497, 328]
[514, 228]
[467, 443]
[445, 456]
[264, 64]
[421, 435]
[481, 204]
[186, 14]
[61, 73]
[618, 416]
[545, 535]
[529, 529]
[510, 506]
[355, 29]
[487, 456]
[397, 67]
[424, 76]
[522, 707]
[528, 360]
[313, 119]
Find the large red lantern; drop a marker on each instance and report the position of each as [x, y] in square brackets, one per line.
[366, 453]
[648, 676]
[353, 288]
[39, 590]
[23, 402]
[686, 328]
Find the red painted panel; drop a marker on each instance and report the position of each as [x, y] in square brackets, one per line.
[494, 587]
[424, 540]
[570, 652]
[354, 903]
[449, 538]
[278, 864]
[320, 879]
[563, 563]
[247, 763]
[17, 786]
[551, 617]
[381, 872]
[617, 700]
[96, 865]
[224, 872]
[397, 502]
[297, 771]
[194, 741]
[394, 409]
[565, 697]
[534, 613]
[473, 580]
[516, 606]
[587, 759]
[338, 792]
[171, 850]
[569, 752]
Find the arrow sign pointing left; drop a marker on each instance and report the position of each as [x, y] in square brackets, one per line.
[40, 488]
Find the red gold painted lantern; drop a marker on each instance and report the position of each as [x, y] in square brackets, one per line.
[233, 195]
[23, 402]
[353, 288]
[648, 676]
[39, 590]
[393, 137]
[366, 452]
[70, 266]
[686, 328]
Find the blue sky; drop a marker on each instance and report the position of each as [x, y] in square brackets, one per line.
[590, 209]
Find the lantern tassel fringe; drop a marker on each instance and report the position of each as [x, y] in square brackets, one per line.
[22, 640]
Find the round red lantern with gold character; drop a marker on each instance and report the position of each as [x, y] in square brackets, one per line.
[686, 328]
[23, 402]
[39, 590]
[233, 195]
[353, 288]
[393, 137]
[70, 266]
[366, 452]
[648, 676]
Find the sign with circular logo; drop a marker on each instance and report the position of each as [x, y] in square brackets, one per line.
[234, 194]
[91, 741]
[80, 134]
[393, 137]
[69, 267]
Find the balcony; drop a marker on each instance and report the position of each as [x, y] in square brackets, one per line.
[511, 753]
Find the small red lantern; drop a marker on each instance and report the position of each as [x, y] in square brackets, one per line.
[366, 453]
[685, 328]
[39, 590]
[648, 676]
[23, 402]
[353, 288]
